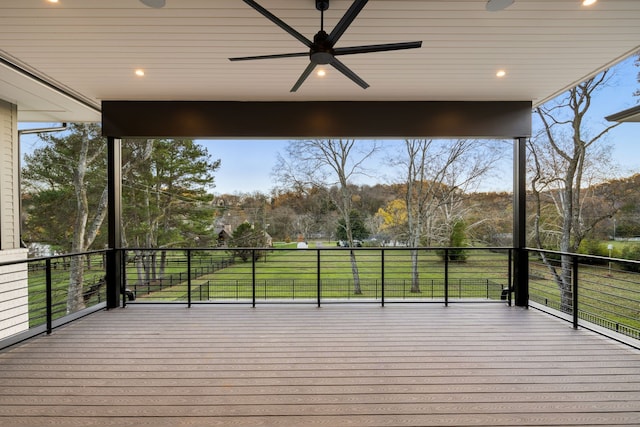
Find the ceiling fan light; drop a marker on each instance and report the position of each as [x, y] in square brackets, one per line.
[497, 5]
[154, 3]
[589, 2]
[321, 73]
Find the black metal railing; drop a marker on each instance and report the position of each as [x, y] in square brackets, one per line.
[587, 290]
[36, 293]
[319, 275]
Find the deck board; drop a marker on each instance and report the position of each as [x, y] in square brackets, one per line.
[339, 365]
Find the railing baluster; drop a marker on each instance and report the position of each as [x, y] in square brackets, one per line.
[381, 277]
[189, 278]
[318, 279]
[574, 280]
[253, 278]
[446, 277]
[49, 298]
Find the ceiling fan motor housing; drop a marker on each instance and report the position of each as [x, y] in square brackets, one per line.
[322, 5]
[321, 52]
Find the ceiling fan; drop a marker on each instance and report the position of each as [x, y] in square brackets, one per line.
[321, 49]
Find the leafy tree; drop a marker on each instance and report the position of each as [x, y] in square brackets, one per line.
[359, 230]
[166, 200]
[164, 197]
[69, 171]
[457, 240]
[244, 237]
[394, 219]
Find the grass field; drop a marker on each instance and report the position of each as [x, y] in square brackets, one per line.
[294, 274]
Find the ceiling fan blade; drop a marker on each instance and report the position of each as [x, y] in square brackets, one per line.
[278, 55]
[376, 48]
[279, 22]
[347, 72]
[304, 76]
[346, 20]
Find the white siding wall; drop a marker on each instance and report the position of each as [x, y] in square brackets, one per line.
[14, 308]
[9, 177]
[14, 298]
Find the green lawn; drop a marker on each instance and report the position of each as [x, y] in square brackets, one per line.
[291, 274]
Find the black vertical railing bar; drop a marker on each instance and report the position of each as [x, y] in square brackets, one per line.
[446, 277]
[189, 278]
[574, 285]
[253, 278]
[318, 278]
[48, 296]
[381, 278]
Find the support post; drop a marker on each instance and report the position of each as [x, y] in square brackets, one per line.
[520, 255]
[114, 256]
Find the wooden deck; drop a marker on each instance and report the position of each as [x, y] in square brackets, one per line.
[339, 365]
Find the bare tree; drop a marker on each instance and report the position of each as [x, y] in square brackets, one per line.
[565, 159]
[321, 163]
[436, 172]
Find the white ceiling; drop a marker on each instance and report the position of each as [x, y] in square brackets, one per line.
[92, 47]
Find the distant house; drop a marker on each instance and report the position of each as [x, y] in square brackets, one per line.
[223, 237]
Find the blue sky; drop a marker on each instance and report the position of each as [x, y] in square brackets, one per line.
[247, 164]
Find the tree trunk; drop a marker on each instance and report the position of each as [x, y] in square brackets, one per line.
[357, 290]
[415, 275]
[75, 296]
[565, 284]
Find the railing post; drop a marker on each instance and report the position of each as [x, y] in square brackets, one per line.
[115, 286]
[189, 278]
[123, 275]
[382, 277]
[318, 280]
[509, 277]
[446, 277]
[521, 260]
[48, 290]
[575, 291]
[253, 278]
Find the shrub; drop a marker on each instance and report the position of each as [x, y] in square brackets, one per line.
[631, 252]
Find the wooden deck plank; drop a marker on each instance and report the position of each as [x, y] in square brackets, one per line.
[356, 365]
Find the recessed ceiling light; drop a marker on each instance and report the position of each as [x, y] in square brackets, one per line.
[589, 2]
[501, 73]
[139, 72]
[496, 5]
[321, 73]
